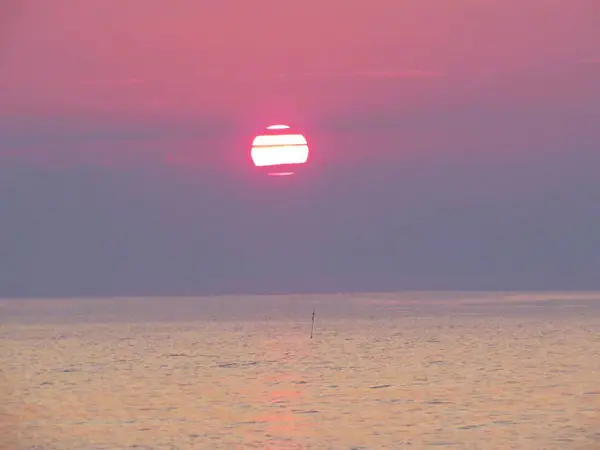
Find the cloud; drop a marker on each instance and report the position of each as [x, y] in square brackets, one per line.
[590, 61]
[398, 74]
[385, 74]
[114, 82]
[68, 141]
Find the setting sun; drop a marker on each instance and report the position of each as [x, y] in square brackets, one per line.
[278, 149]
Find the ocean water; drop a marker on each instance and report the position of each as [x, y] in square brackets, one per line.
[383, 371]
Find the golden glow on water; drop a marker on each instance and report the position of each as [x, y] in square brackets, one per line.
[408, 376]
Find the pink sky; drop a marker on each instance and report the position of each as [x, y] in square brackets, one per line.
[244, 57]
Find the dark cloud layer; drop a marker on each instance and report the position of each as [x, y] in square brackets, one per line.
[506, 209]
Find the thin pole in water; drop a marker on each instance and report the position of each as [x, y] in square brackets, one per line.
[312, 327]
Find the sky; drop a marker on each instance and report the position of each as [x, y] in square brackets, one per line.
[454, 145]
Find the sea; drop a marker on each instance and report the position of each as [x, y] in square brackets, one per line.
[408, 370]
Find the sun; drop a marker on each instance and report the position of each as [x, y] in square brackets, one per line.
[279, 150]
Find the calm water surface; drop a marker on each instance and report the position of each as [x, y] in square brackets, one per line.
[385, 371]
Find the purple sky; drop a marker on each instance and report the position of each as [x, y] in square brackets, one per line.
[455, 145]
